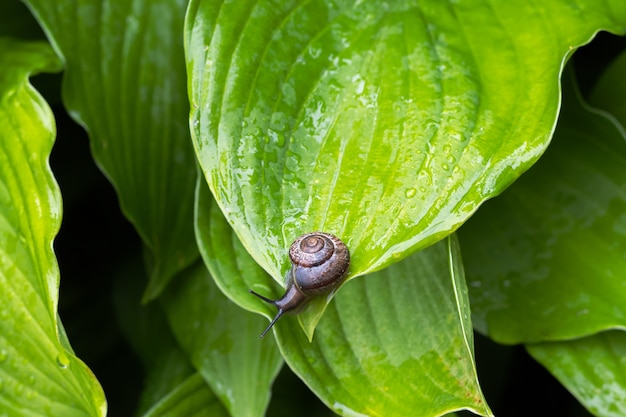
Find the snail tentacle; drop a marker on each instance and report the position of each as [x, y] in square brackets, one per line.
[320, 262]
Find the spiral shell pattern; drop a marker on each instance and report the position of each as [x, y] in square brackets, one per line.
[312, 249]
[320, 262]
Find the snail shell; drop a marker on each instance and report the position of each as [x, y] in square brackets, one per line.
[320, 262]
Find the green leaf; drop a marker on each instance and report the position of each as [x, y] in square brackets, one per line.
[385, 123]
[192, 398]
[398, 342]
[167, 374]
[232, 268]
[39, 372]
[126, 84]
[222, 342]
[545, 260]
[166, 367]
[593, 369]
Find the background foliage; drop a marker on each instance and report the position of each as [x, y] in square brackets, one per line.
[332, 125]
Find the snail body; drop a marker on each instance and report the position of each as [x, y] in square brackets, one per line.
[320, 262]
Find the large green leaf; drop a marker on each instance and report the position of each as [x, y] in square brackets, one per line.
[166, 367]
[398, 342]
[385, 123]
[192, 398]
[592, 368]
[221, 341]
[126, 84]
[39, 373]
[545, 260]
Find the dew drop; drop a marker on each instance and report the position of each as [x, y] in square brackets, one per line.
[63, 361]
[280, 139]
[410, 192]
[445, 166]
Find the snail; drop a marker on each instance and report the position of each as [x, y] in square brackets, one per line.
[319, 262]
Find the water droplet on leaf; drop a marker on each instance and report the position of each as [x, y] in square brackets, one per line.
[63, 361]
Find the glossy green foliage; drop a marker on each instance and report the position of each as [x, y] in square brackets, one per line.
[397, 343]
[125, 82]
[221, 341]
[551, 268]
[39, 373]
[192, 398]
[166, 367]
[592, 368]
[385, 123]
[394, 344]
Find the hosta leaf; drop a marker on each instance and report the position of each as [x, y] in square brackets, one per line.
[166, 367]
[222, 342]
[191, 398]
[545, 260]
[167, 375]
[39, 373]
[125, 83]
[592, 368]
[385, 123]
[235, 272]
[398, 342]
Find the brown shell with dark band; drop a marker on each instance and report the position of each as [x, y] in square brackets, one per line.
[320, 262]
